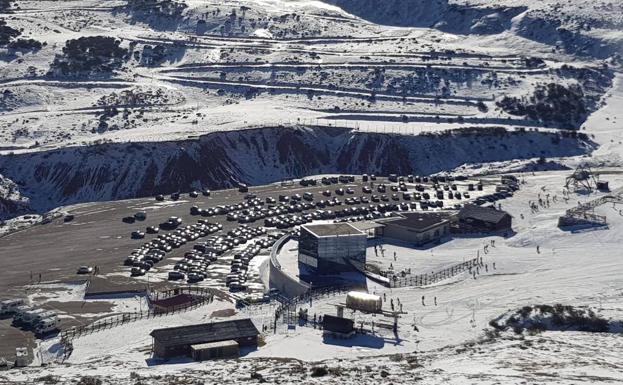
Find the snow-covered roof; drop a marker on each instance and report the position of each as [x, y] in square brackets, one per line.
[332, 229]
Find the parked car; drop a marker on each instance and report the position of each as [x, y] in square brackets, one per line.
[140, 216]
[138, 234]
[68, 218]
[159, 197]
[176, 275]
[193, 194]
[128, 219]
[85, 270]
[137, 271]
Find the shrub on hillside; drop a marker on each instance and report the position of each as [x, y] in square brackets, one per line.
[551, 104]
[25, 45]
[319, 371]
[7, 33]
[557, 317]
[5, 5]
[89, 56]
[168, 8]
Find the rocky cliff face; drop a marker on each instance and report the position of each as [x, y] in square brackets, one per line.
[12, 203]
[259, 156]
[440, 14]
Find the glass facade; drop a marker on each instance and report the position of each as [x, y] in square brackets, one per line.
[330, 253]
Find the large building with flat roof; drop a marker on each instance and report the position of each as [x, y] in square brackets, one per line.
[418, 228]
[484, 219]
[327, 248]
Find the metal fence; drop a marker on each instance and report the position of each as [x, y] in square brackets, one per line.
[287, 307]
[430, 278]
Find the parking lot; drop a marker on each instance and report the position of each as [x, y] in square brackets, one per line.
[96, 234]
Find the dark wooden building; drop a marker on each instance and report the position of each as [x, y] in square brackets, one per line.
[338, 326]
[484, 219]
[178, 341]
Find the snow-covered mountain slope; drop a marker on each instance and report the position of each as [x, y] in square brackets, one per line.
[260, 156]
[80, 73]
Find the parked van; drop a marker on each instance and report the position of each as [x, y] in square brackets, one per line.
[19, 313]
[47, 325]
[9, 306]
[29, 316]
[42, 316]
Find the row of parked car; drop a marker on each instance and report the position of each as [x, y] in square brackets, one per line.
[194, 266]
[236, 280]
[149, 254]
[421, 179]
[40, 321]
[176, 195]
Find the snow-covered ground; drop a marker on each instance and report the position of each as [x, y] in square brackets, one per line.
[573, 268]
[271, 72]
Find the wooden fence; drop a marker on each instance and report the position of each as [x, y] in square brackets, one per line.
[430, 278]
[200, 297]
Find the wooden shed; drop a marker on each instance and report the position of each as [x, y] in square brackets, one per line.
[215, 350]
[178, 341]
[338, 327]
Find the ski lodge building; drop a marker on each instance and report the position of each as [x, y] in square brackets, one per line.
[484, 219]
[326, 248]
[417, 228]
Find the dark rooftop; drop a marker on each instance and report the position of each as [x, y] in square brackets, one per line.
[337, 324]
[485, 214]
[329, 229]
[205, 333]
[419, 221]
[102, 287]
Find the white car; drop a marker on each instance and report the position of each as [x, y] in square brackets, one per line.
[10, 306]
[31, 315]
[47, 325]
[40, 317]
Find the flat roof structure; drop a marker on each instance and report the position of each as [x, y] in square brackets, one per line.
[332, 229]
[213, 345]
[367, 225]
[483, 213]
[205, 333]
[419, 222]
